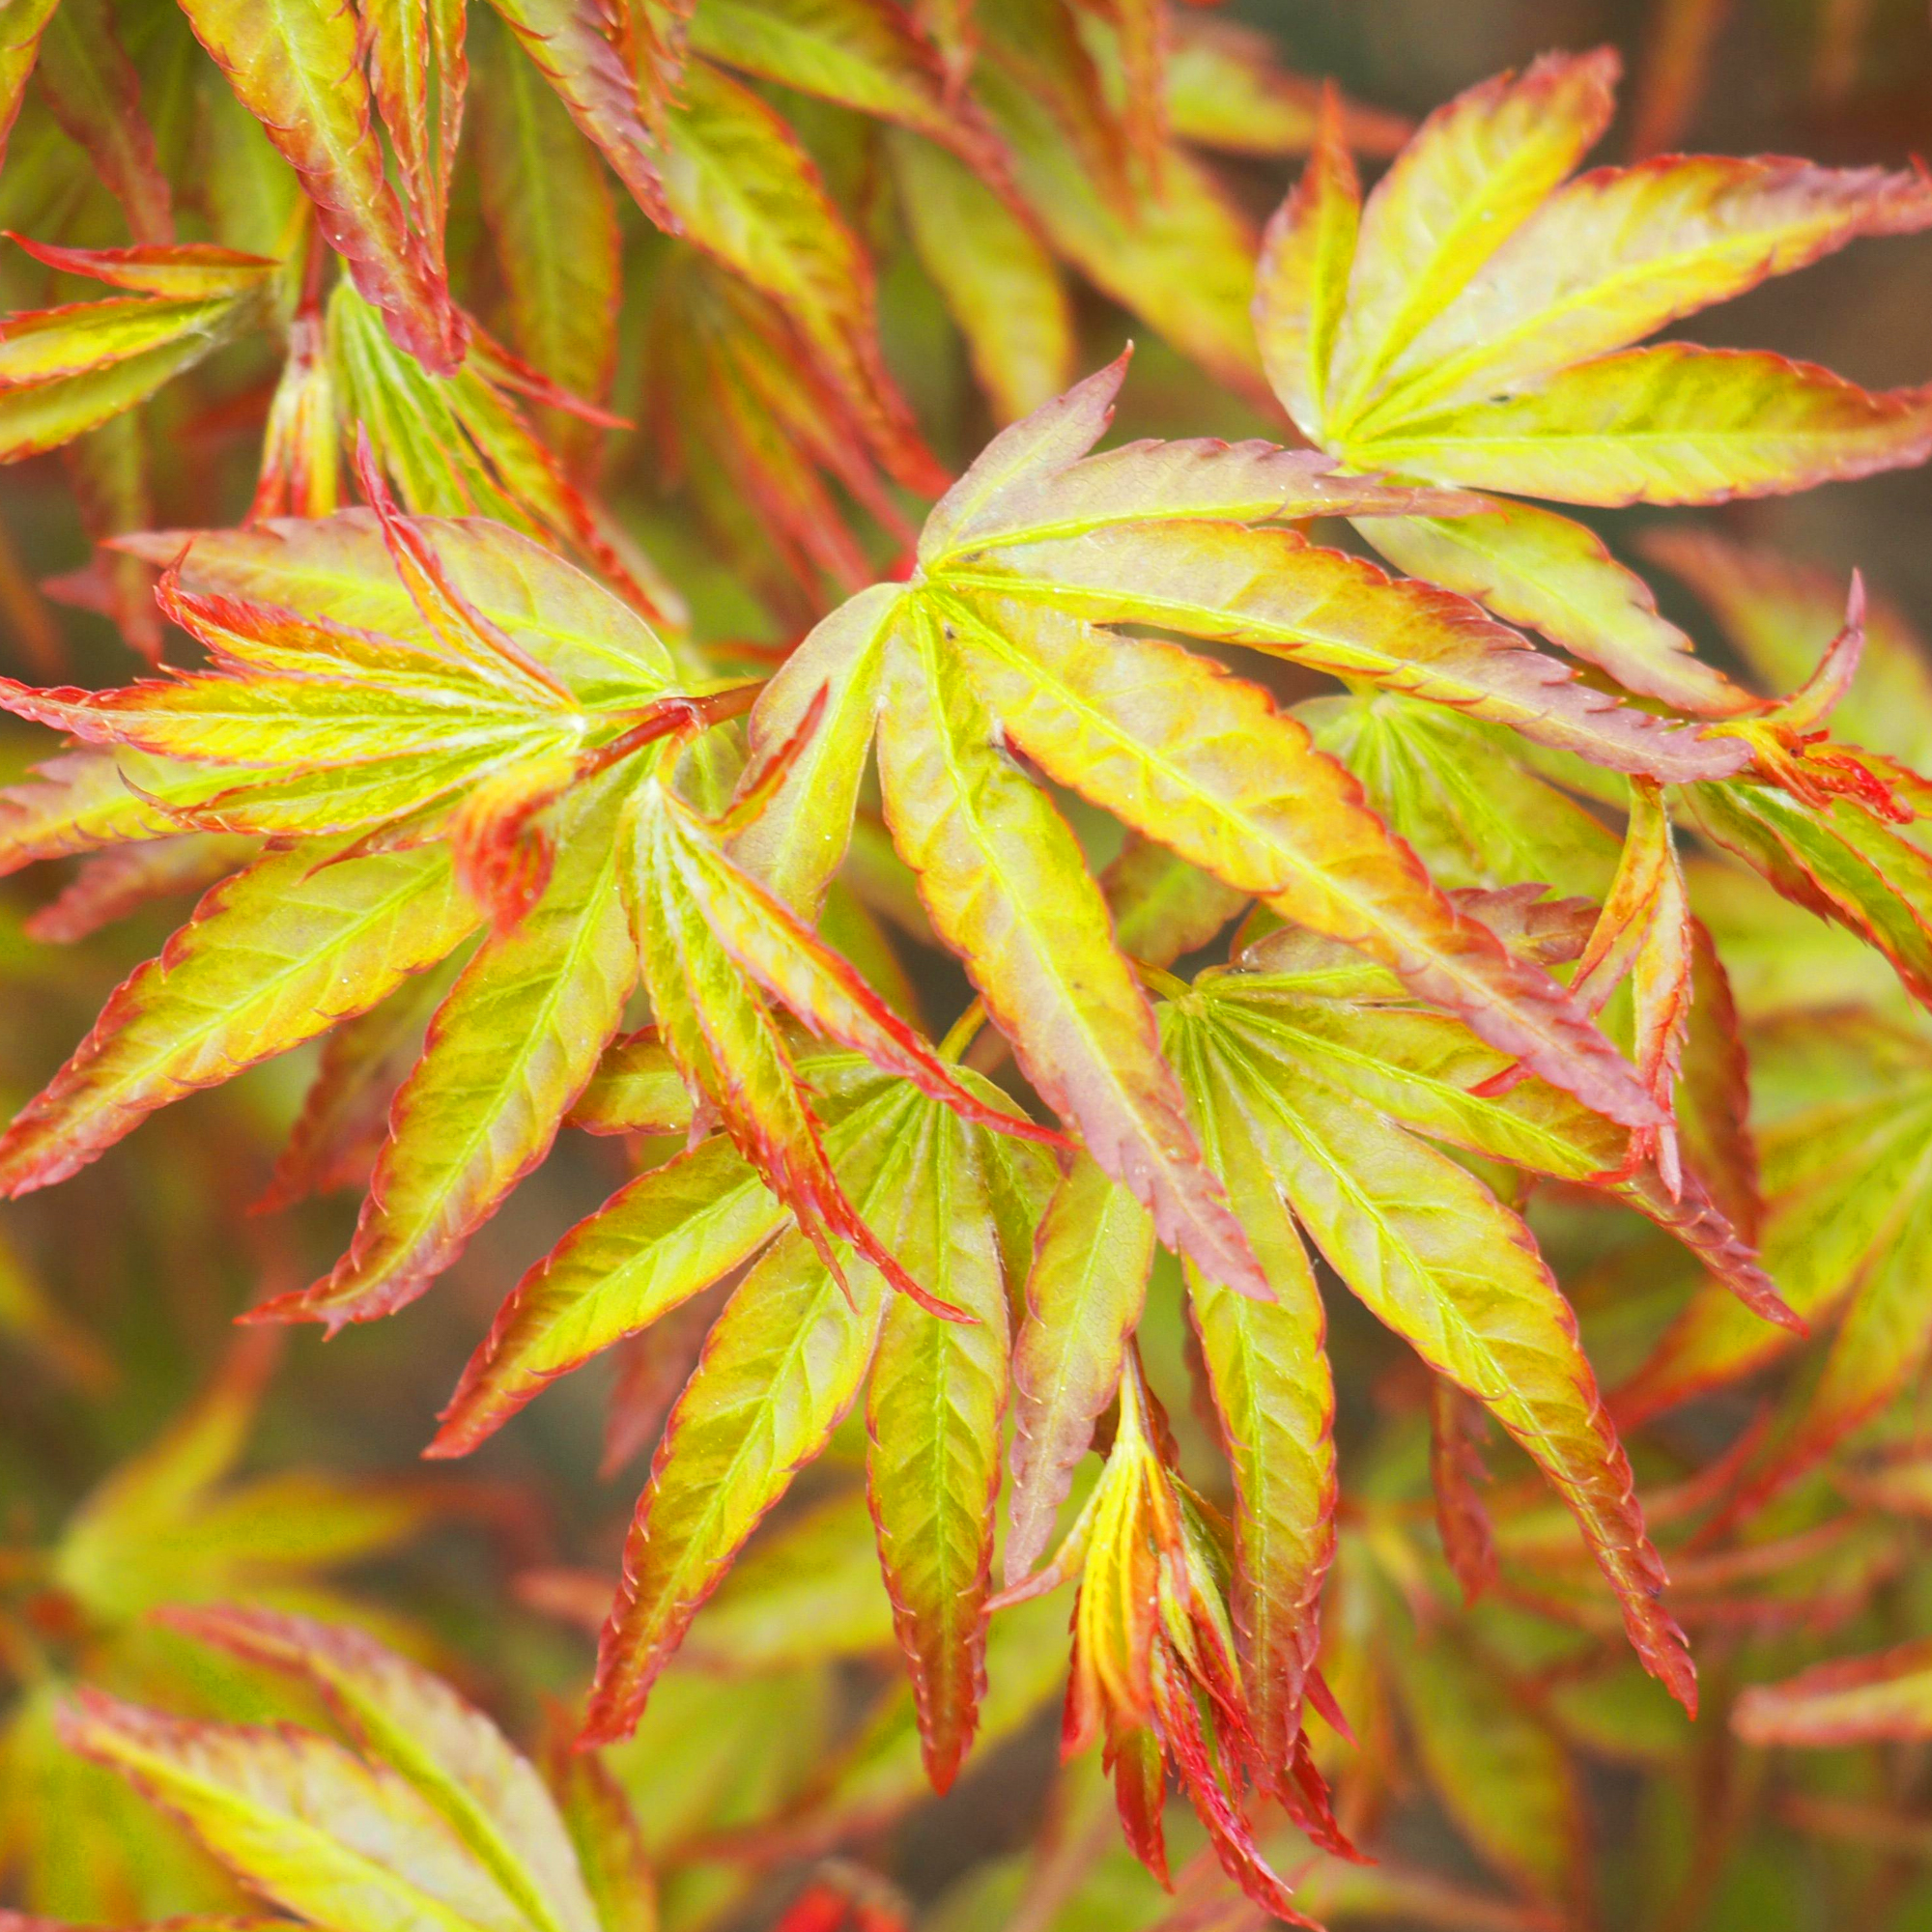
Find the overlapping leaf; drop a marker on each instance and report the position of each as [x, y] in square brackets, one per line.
[295, 65]
[485, 737]
[67, 370]
[434, 1817]
[1435, 1257]
[985, 649]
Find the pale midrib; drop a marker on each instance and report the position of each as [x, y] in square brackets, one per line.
[1410, 401]
[482, 1119]
[1477, 992]
[1345, 657]
[1258, 1523]
[1288, 1036]
[329, 1849]
[1423, 302]
[1527, 1427]
[698, 1539]
[1067, 1002]
[1543, 441]
[542, 1355]
[263, 995]
[937, 1339]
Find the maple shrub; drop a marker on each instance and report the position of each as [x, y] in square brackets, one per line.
[1045, 935]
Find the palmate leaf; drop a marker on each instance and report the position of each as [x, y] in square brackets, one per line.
[490, 741]
[433, 1819]
[1448, 1268]
[783, 1362]
[1471, 323]
[978, 653]
[787, 1358]
[399, 1713]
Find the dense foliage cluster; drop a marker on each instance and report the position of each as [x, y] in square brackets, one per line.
[1049, 934]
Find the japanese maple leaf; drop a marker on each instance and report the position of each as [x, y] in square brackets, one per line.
[433, 722]
[1471, 324]
[1003, 642]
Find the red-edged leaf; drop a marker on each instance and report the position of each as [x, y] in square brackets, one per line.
[781, 1367]
[295, 65]
[567, 41]
[273, 956]
[1083, 1301]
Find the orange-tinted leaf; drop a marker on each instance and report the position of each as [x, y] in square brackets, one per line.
[273, 957]
[665, 1237]
[277, 55]
[781, 1367]
[1302, 288]
[1554, 575]
[418, 74]
[1274, 1398]
[508, 1051]
[1848, 1701]
[1468, 181]
[1006, 886]
[567, 41]
[1435, 1256]
[1621, 251]
[935, 1405]
[1669, 424]
[1273, 592]
[1083, 1301]
[1287, 827]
